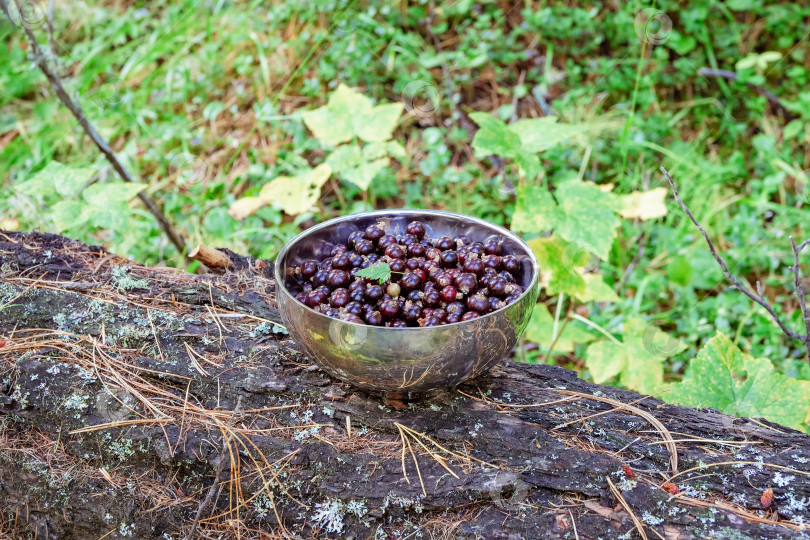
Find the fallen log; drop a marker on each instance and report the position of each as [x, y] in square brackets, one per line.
[144, 402]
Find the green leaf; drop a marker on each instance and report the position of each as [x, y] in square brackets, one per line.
[541, 330]
[638, 361]
[212, 110]
[333, 123]
[328, 127]
[349, 113]
[493, 137]
[605, 360]
[539, 134]
[58, 178]
[362, 175]
[296, 194]
[529, 163]
[583, 214]
[380, 271]
[596, 290]
[680, 270]
[792, 129]
[535, 210]
[111, 193]
[590, 217]
[556, 276]
[67, 215]
[377, 125]
[644, 369]
[345, 157]
[376, 150]
[725, 378]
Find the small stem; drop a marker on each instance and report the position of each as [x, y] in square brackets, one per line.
[799, 290]
[758, 298]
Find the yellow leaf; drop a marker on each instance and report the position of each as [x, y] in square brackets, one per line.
[645, 204]
[245, 207]
[296, 194]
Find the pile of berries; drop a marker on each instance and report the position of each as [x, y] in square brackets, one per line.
[433, 281]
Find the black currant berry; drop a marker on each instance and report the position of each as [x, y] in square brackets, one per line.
[510, 263]
[466, 283]
[449, 293]
[444, 243]
[478, 302]
[309, 269]
[373, 233]
[416, 228]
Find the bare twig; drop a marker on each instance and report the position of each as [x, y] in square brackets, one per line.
[800, 292]
[56, 83]
[757, 297]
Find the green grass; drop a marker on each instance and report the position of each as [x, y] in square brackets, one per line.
[204, 107]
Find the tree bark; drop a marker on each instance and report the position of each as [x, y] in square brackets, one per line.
[123, 388]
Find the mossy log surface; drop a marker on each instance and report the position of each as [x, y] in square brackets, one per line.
[135, 399]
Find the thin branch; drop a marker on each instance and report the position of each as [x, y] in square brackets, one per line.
[758, 298]
[78, 113]
[800, 292]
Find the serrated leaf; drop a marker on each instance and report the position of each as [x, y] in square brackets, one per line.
[638, 361]
[556, 277]
[644, 205]
[493, 137]
[58, 178]
[529, 163]
[380, 271]
[535, 210]
[583, 213]
[540, 330]
[539, 134]
[605, 360]
[644, 370]
[587, 216]
[349, 113]
[333, 123]
[377, 124]
[362, 175]
[596, 290]
[111, 193]
[345, 157]
[725, 378]
[296, 194]
[376, 150]
[329, 127]
[67, 215]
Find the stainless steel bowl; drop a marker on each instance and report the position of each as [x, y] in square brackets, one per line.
[404, 361]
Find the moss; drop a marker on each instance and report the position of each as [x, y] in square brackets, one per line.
[124, 281]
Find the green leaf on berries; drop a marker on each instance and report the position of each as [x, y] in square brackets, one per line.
[725, 378]
[380, 271]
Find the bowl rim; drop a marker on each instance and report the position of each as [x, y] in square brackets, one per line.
[280, 287]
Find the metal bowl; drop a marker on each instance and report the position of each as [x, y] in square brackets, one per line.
[404, 361]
